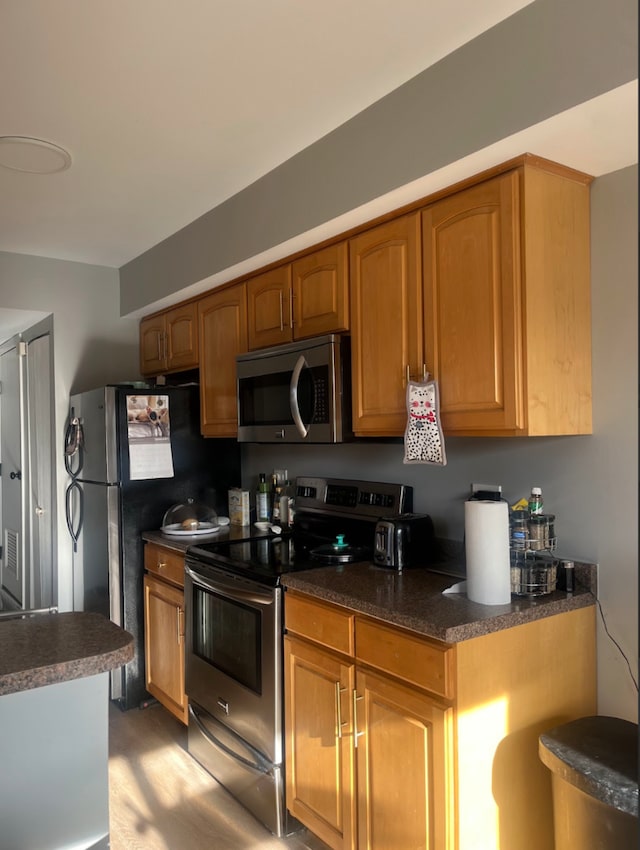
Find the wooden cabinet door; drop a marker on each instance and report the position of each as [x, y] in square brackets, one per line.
[164, 645]
[404, 767]
[321, 292]
[153, 359]
[472, 306]
[223, 335]
[181, 326]
[269, 308]
[386, 323]
[319, 750]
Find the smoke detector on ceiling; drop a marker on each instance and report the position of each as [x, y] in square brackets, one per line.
[35, 156]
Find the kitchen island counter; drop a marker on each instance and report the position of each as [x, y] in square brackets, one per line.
[414, 599]
[46, 649]
[54, 699]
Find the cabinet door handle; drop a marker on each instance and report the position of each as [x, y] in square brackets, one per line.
[179, 618]
[159, 340]
[356, 734]
[339, 720]
[161, 565]
[424, 373]
[291, 297]
[281, 313]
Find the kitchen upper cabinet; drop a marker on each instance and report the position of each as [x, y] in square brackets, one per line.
[223, 335]
[386, 323]
[321, 292]
[306, 298]
[507, 305]
[269, 308]
[169, 341]
[164, 625]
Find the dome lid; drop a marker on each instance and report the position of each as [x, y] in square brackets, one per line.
[190, 517]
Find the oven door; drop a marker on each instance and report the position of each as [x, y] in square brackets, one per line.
[234, 654]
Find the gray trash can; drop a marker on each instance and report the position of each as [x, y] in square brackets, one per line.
[594, 777]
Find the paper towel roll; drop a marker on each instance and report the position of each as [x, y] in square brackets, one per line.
[486, 528]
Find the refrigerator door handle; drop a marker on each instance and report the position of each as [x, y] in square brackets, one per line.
[74, 530]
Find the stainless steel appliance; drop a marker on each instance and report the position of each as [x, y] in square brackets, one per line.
[108, 508]
[234, 617]
[404, 541]
[296, 393]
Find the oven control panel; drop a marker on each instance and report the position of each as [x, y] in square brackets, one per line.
[352, 498]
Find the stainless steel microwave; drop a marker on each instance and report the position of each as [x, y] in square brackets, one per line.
[299, 392]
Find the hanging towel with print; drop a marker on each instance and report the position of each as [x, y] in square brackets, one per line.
[423, 438]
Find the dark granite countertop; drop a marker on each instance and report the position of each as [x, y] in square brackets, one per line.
[414, 599]
[182, 543]
[598, 755]
[49, 648]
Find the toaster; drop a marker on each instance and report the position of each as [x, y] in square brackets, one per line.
[403, 541]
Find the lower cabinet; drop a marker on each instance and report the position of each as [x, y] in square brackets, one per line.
[403, 765]
[164, 630]
[319, 752]
[395, 741]
[367, 759]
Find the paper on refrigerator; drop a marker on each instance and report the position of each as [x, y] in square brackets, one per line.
[149, 435]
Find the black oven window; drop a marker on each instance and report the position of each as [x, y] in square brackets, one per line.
[226, 634]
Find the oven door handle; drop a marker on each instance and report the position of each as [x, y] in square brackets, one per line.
[259, 764]
[231, 589]
[293, 396]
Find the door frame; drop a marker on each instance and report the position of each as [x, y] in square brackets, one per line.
[38, 470]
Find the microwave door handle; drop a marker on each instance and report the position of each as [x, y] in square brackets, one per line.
[293, 396]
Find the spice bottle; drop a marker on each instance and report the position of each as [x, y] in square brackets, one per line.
[535, 501]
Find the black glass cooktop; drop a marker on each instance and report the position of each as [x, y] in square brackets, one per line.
[265, 558]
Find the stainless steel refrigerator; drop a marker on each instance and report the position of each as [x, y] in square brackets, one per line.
[132, 452]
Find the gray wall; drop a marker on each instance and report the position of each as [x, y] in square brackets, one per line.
[92, 345]
[590, 482]
[539, 62]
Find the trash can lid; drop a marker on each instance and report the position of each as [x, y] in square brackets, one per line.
[598, 755]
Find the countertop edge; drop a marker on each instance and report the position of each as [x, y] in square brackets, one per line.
[451, 619]
[60, 647]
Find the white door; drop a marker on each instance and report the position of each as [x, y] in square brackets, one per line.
[12, 459]
[39, 501]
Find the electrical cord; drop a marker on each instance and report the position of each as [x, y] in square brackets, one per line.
[608, 633]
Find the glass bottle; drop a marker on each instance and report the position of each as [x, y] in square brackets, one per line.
[535, 501]
[262, 499]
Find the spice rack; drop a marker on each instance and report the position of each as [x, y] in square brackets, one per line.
[532, 541]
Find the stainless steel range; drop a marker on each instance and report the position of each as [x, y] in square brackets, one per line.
[234, 614]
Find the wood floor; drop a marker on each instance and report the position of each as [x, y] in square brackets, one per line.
[161, 799]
